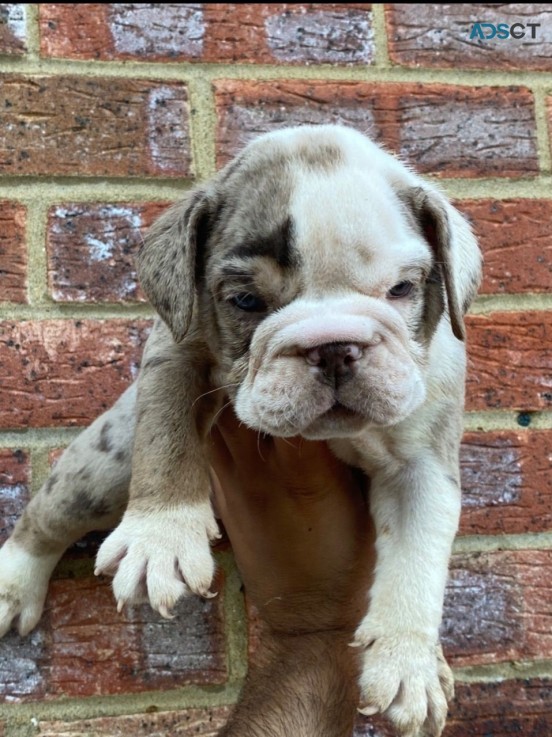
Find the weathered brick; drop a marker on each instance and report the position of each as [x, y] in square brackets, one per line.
[510, 361]
[13, 252]
[447, 130]
[23, 663]
[94, 650]
[13, 29]
[83, 647]
[187, 723]
[122, 31]
[91, 250]
[497, 607]
[65, 372]
[421, 35]
[289, 33]
[506, 482]
[502, 709]
[499, 709]
[516, 239]
[93, 126]
[14, 488]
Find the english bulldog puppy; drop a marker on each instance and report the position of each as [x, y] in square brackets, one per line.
[319, 285]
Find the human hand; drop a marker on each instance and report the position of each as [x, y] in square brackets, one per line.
[299, 525]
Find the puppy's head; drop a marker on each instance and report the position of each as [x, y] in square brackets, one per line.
[320, 269]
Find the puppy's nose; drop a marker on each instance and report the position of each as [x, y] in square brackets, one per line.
[336, 361]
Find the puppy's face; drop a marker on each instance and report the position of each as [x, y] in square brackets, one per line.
[321, 269]
[317, 285]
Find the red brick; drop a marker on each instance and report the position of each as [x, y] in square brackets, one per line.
[113, 31]
[288, 33]
[65, 372]
[13, 252]
[187, 723]
[421, 35]
[93, 126]
[14, 488]
[502, 709]
[91, 250]
[497, 607]
[447, 130]
[13, 30]
[516, 239]
[510, 361]
[506, 482]
[94, 650]
[83, 647]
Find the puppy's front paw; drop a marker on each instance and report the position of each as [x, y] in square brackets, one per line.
[405, 677]
[23, 586]
[160, 556]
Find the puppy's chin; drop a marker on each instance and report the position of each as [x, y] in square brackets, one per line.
[332, 419]
[337, 422]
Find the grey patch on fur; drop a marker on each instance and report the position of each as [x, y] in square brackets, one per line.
[49, 485]
[434, 305]
[85, 504]
[104, 443]
[277, 244]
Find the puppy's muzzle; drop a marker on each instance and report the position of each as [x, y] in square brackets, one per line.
[334, 363]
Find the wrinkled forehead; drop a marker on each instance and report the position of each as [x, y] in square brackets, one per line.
[306, 206]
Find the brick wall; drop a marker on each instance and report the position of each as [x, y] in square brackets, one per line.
[108, 113]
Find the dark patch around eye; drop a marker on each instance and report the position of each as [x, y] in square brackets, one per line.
[278, 244]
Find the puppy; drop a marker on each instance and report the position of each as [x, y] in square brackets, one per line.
[319, 285]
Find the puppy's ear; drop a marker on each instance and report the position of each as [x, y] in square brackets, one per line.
[168, 261]
[457, 254]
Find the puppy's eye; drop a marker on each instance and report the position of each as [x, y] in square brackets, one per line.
[248, 302]
[402, 289]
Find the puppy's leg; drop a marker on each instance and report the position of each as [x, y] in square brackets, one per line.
[416, 510]
[162, 546]
[87, 490]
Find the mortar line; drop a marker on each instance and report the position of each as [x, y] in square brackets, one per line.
[503, 671]
[77, 310]
[184, 71]
[235, 618]
[113, 705]
[32, 33]
[486, 304]
[51, 189]
[203, 126]
[37, 273]
[465, 544]
[381, 60]
[40, 467]
[506, 420]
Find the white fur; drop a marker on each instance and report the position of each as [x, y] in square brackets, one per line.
[160, 557]
[23, 586]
